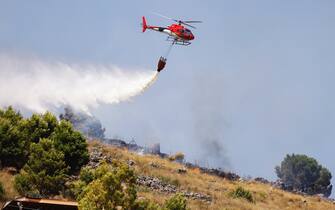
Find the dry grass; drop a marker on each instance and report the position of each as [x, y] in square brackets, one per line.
[219, 189]
[7, 181]
[265, 196]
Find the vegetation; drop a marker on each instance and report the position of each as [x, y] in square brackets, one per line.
[46, 152]
[304, 173]
[178, 157]
[12, 142]
[17, 133]
[45, 172]
[176, 202]
[265, 196]
[72, 144]
[107, 187]
[39, 126]
[44, 149]
[112, 187]
[240, 192]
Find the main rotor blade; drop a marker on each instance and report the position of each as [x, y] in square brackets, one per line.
[182, 22]
[163, 16]
[192, 21]
[179, 21]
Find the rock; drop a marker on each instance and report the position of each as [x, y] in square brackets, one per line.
[181, 170]
[11, 170]
[197, 196]
[190, 165]
[320, 195]
[156, 184]
[220, 173]
[96, 156]
[131, 162]
[325, 191]
[241, 179]
[261, 180]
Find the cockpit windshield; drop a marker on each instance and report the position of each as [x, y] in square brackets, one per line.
[187, 31]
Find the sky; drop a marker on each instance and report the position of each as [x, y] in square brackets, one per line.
[256, 83]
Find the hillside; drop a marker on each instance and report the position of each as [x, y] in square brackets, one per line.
[160, 178]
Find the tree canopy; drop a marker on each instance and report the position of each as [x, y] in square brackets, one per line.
[305, 174]
[72, 144]
[39, 126]
[13, 145]
[107, 188]
[45, 171]
[17, 133]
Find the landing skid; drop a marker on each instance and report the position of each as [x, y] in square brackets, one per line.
[177, 41]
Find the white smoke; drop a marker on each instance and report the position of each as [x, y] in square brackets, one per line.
[39, 85]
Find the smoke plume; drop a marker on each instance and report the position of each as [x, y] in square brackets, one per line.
[88, 125]
[209, 121]
[39, 85]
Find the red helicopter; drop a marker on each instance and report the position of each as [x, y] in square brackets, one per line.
[177, 33]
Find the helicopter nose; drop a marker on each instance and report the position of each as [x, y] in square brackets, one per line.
[191, 36]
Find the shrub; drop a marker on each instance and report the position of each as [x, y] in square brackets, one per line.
[240, 192]
[111, 187]
[86, 175]
[303, 173]
[147, 205]
[179, 157]
[176, 202]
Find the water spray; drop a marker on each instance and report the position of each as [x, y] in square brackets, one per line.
[39, 85]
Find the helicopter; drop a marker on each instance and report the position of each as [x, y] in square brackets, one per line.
[177, 33]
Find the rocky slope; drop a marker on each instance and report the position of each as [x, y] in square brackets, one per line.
[159, 178]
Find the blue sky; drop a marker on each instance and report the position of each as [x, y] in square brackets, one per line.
[257, 82]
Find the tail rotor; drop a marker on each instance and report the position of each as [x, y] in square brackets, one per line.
[144, 24]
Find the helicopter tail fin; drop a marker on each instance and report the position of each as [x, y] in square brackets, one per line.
[144, 24]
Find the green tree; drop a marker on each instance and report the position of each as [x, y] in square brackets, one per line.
[17, 133]
[39, 126]
[13, 146]
[111, 187]
[304, 173]
[10, 114]
[72, 144]
[45, 171]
